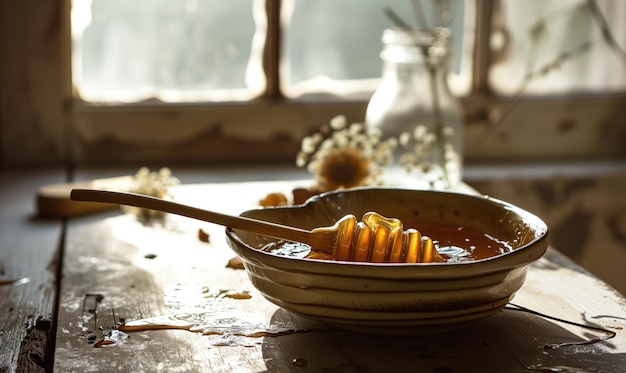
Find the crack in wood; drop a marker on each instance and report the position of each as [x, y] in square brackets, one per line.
[32, 354]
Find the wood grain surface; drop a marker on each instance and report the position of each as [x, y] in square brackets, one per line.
[28, 265]
[117, 269]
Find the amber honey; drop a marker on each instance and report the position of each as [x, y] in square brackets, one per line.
[453, 243]
[459, 243]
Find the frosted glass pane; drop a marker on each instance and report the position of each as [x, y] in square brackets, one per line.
[331, 41]
[173, 50]
[570, 47]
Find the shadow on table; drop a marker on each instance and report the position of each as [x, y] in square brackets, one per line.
[510, 341]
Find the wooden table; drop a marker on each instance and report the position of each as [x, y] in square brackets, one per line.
[116, 269]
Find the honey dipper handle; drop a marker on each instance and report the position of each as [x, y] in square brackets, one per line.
[238, 222]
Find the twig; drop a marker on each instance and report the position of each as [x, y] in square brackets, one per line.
[438, 120]
[395, 18]
[607, 36]
[609, 333]
[418, 11]
[445, 12]
[507, 107]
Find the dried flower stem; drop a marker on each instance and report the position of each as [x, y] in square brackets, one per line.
[438, 120]
[607, 34]
[395, 18]
[432, 68]
[539, 27]
[418, 10]
[507, 107]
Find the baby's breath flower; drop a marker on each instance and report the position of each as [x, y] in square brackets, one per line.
[339, 122]
[355, 129]
[301, 158]
[375, 132]
[429, 138]
[154, 184]
[309, 144]
[448, 131]
[341, 139]
[419, 154]
[420, 131]
[404, 138]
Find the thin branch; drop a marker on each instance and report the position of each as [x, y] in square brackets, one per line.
[395, 18]
[607, 34]
[445, 11]
[507, 107]
[609, 333]
[418, 11]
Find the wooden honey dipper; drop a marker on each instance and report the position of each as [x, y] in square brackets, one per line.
[374, 239]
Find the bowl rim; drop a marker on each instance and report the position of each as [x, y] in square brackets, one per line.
[517, 257]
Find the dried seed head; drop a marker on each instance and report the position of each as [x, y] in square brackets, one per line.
[344, 167]
[339, 155]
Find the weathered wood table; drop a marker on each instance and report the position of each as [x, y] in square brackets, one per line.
[117, 269]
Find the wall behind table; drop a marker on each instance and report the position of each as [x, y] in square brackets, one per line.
[586, 216]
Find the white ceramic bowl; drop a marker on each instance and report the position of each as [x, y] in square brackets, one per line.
[395, 298]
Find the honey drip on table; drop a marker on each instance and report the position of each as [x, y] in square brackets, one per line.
[211, 312]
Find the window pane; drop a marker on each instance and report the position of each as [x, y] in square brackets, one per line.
[563, 42]
[172, 50]
[330, 42]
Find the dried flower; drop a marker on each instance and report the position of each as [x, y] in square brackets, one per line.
[418, 155]
[273, 200]
[155, 184]
[342, 156]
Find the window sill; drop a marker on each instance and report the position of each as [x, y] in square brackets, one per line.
[555, 129]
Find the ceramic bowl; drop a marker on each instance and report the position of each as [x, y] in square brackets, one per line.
[393, 298]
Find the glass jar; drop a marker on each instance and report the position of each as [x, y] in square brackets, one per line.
[414, 104]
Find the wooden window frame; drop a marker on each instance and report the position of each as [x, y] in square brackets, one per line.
[42, 122]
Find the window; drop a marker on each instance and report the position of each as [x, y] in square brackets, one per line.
[247, 79]
[566, 46]
[212, 50]
[285, 67]
[175, 51]
[192, 50]
[333, 46]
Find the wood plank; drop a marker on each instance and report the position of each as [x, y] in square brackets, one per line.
[28, 264]
[133, 267]
[117, 269]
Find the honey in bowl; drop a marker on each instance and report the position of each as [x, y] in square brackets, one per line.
[380, 239]
[460, 244]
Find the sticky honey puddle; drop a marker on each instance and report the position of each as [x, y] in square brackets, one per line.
[209, 311]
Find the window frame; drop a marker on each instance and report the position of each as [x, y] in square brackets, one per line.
[269, 128]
